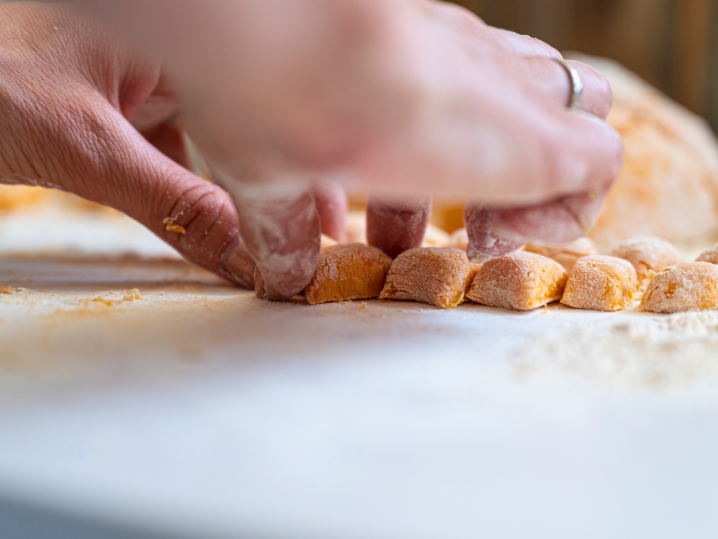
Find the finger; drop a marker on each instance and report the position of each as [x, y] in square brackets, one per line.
[522, 46]
[107, 161]
[395, 226]
[486, 239]
[281, 229]
[169, 139]
[561, 221]
[550, 79]
[331, 202]
[496, 232]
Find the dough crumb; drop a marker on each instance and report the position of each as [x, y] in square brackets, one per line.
[690, 286]
[648, 254]
[170, 226]
[133, 295]
[601, 283]
[521, 281]
[434, 275]
[566, 254]
[363, 306]
[7, 290]
[347, 272]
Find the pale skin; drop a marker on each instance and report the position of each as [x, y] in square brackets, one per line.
[289, 100]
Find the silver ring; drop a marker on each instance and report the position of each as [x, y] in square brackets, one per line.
[574, 101]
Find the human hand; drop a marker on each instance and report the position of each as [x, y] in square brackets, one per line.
[405, 96]
[84, 113]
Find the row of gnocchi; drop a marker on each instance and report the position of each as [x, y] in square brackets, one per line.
[646, 269]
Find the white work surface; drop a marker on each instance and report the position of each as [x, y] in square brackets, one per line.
[202, 412]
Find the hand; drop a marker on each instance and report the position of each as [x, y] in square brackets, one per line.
[408, 96]
[84, 113]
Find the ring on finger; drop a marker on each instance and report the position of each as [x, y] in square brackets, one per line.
[576, 83]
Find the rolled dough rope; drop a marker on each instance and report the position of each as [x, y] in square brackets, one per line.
[566, 254]
[437, 276]
[600, 283]
[690, 286]
[521, 281]
[347, 272]
[648, 255]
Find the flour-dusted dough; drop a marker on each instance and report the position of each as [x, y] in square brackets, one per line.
[566, 254]
[690, 286]
[648, 255]
[669, 184]
[460, 240]
[437, 276]
[347, 272]
[326, 241]
[521, 281]
[601, 283]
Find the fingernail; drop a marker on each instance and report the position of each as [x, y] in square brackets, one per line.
[259, 289]
[239, 264]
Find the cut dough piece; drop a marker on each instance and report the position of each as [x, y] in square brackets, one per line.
[326, 241]
[648, 255]
[600, 283]
[435, 237]
[521, 281]
[710, 256]
[346, 272]
[566, 254]
[355, 227]
[690, 286]
[437, 276]
[460, 240]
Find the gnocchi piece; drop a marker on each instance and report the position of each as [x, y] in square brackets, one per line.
[435, 237]
[648, 255]
[433, 275]
[601, 283]
[521, 281]
[566, 254]
[710, 256]
[326, 241]
[690, 286]
[347, 272]
[460, 239]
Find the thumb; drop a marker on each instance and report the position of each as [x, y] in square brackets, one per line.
[282, 230]
[119, 168]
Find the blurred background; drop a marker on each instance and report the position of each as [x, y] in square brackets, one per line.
[670, 43]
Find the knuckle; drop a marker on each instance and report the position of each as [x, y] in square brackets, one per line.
[201, 219]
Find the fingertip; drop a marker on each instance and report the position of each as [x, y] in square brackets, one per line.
[281, 230]
[395, 226]
[332, 205]
[239, 264]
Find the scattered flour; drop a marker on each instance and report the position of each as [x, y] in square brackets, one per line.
[671, 353]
